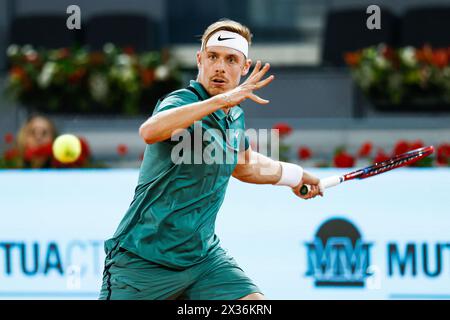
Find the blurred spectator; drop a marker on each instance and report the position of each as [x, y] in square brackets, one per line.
[34, 142]
[33, 147]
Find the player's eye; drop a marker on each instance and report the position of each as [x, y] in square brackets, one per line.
[231, 60]
[212, 57]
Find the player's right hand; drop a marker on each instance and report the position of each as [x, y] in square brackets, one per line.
[245, 90]
[313, 182]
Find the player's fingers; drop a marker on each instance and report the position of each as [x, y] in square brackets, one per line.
[264, 82]
[255, 70]
[257, 99]
[313, 192]
[321, 190]
[258, 76]
[317, 192]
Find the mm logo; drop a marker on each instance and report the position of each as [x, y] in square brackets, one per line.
[338, 257]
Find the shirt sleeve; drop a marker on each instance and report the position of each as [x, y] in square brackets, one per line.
[176, 100]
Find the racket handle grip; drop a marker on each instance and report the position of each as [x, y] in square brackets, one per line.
[324, 183]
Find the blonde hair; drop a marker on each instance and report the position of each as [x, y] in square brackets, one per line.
[227, 25]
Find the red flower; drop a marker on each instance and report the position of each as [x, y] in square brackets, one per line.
[440, 58]
[343, 160]
[17, 72]
[128, 50]
[38, 152]
[63, 53]
[122, 149]
[352, 58]
[388, 53]
[147, 77]
[425, 54]
[381, 156]
[76, 76]
[11, 154]
[402, 146]
[304, 153]
[9, 138]
[44, 150]
[29, 153]
[283, 128]
[85, 150]
[96, 58]
[365, 149]
[443, 154]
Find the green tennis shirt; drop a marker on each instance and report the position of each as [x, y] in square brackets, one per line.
[171, 219]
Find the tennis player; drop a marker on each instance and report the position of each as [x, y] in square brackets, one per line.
[165, 246]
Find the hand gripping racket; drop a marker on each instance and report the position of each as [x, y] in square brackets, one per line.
[398, 161]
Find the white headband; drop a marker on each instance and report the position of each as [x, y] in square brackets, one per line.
[229, 39]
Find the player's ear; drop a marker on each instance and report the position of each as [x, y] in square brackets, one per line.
[247, 65]
[199, 55]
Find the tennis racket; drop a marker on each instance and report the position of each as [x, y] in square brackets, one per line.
[398, 161]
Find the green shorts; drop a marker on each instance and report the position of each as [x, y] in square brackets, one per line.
[129, 277]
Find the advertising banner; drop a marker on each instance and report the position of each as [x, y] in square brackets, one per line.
[386, 237]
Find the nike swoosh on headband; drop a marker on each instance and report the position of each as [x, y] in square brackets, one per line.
[235, 41]
[222, 39]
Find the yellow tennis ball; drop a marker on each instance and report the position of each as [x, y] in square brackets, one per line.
[66, 148]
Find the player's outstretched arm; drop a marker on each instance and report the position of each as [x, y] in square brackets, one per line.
[256, 168]
[163, 125]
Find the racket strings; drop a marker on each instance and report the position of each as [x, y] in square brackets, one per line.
[394, 163]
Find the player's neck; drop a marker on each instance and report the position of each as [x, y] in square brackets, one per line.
[226, 110]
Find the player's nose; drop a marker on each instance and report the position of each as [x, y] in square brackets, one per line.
[220, 65]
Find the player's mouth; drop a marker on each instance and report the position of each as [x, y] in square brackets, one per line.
[217, 81]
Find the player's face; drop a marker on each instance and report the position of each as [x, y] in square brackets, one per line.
[220, 68]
